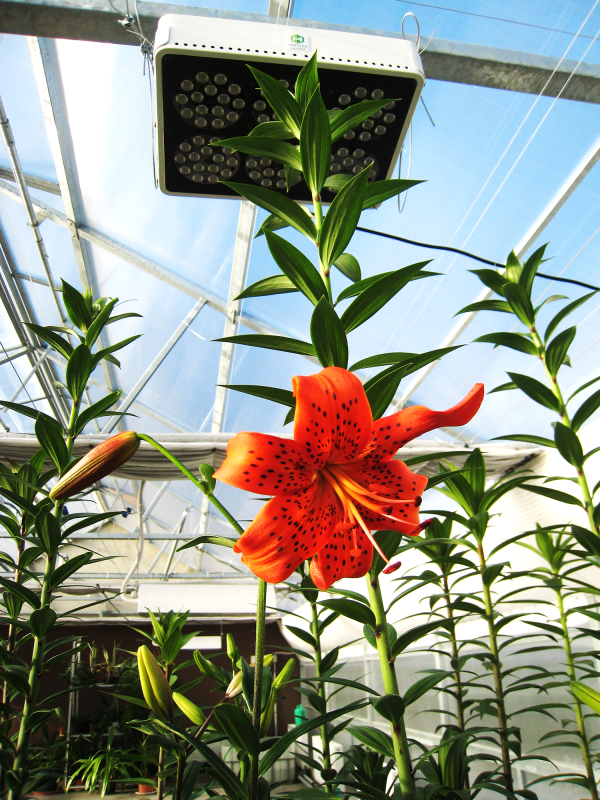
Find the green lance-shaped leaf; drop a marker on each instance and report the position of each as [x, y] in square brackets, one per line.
[296, 266]
[351, 609]
[306, 82]
[77, 307]
[390, 707]
[378, 191]
[372, 299]
[96, 410]
[557, 350]
[342, 218]
[520, 303]
[552, 494]
[271, 343]
[530, 269]
[355, 114]
[422, 686]
[285, 209]
[535, 390]
[491, 572]
[328, 336]
[56, 341]
[486, 305]
[273, 130]
[52, 442]
[587, 695]
[221, 541]
[516, 341]
[492, 279]
[280, 99]
[69, 568]
[238, 729]
[48, 531]
[282, 396]
[41, 621]
[513, 267]
[265, 147]
[24, 594]
[413, 635]
[411, 361]
[274, 284]
[101, 320]
[585, 410]
[568, 445]
[33, 413]
[106, 352]
[563, 313]
[348, 265]
[381, 388]
[375, 739]
[315, 143]
[284, 742]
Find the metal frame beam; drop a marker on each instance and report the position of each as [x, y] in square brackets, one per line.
[32, 181]
[457, 62]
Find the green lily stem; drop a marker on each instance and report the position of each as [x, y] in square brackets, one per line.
[406, 779]
[233, 522]
[566, 420]
[321, 690]
[458, 688]
[261, 605]
[20, 761]
[497, 672]
[583, 738]
[160, 783]
[323, 268]
[179, 778]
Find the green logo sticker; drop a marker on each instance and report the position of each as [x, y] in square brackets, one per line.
[296, 38]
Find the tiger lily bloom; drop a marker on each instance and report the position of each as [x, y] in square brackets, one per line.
[335, 482]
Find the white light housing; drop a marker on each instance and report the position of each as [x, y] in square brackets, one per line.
[205, 92]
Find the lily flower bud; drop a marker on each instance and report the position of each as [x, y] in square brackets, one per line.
[191, 710]
[155, 686]
[99, 462]
[235, 687]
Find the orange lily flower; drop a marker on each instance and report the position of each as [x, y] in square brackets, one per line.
[335, 482]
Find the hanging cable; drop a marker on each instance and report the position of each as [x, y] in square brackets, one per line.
[460, 252]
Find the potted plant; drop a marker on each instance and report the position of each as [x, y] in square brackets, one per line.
[106, 767]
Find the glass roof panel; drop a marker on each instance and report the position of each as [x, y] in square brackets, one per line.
[545, 28]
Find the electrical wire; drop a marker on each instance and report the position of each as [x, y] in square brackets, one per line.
[460, 252]
[487, 16]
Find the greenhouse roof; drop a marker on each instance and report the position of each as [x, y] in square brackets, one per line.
[505, 140]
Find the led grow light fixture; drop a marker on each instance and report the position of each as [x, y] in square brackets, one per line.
[205, 93]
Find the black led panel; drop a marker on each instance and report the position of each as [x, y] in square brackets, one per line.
[205, 100]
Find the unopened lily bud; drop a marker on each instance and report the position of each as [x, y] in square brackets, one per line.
[267, 715]
[155, 686]
[191, 710]
[279, 681]
[235, 687]
[99, 462]
[206, 479]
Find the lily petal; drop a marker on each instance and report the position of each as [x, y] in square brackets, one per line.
[395, 480]
[391, 433]
[334, 562]
[265, 464]
[333, 418]
[288, 530]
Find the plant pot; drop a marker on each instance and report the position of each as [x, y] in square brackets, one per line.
[144, 788]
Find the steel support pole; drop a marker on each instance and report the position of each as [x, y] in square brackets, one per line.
[9, 141]
[239, 269]
[44, 61]
[531, 235]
